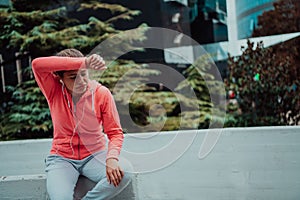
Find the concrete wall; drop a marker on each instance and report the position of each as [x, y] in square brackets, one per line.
[246, 163]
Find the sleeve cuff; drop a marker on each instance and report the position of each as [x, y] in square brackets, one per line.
[113, 153]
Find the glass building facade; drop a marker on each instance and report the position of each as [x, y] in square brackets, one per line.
[4, 3]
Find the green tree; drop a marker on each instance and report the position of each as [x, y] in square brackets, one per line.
[43, 27]
[265, 93]
[266, 80]
[284, 18]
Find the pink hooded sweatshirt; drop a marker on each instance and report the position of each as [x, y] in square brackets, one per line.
[78, 128]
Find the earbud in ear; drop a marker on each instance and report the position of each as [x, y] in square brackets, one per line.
[61, 81]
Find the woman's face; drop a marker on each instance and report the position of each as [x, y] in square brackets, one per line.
[76, 81]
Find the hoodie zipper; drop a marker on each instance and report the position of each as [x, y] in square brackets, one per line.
[78, 148]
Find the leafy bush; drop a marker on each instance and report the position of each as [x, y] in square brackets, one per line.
[266, 92]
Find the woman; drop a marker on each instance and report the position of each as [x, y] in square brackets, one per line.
[81, 110]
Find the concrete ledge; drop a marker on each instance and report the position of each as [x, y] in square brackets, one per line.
[34, 187]
[23, 187]
[246, 163]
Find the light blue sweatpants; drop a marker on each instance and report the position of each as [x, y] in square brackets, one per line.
[62, 175]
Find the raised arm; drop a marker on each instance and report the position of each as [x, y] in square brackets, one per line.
[44, 67]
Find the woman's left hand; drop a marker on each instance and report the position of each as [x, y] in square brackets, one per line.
[95, 62]
[114, 173]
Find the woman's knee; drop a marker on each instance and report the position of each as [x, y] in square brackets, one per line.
[125, 165]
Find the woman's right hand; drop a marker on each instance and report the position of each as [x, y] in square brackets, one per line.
[95, 62]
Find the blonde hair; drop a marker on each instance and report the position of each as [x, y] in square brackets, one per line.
[70, 53]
